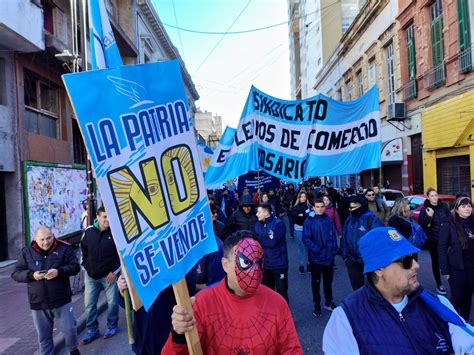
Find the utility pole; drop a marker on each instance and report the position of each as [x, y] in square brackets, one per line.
[79, 63]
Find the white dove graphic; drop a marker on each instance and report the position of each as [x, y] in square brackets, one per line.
[131, 89]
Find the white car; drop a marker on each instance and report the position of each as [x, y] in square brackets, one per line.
[391, 196]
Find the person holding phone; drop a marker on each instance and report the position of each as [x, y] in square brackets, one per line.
[434, 216]
[46, 266]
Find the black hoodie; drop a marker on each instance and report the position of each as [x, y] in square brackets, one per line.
[239, 220]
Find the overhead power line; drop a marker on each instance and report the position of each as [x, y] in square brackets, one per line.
[223, 35]
[248, 30]
[177, 25]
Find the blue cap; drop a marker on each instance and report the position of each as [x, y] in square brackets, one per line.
[382, 246]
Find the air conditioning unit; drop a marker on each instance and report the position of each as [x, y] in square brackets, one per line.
[397, 111]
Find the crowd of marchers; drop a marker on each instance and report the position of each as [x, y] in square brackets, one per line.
[241, 302]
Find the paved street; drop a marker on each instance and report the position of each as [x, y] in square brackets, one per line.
[17, 332]
[309, 328]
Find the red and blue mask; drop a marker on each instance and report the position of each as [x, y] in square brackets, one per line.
[249, 265]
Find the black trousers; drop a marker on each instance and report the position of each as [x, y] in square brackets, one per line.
[461, 283]
[277, 280]
[433, 248]
[356, 274]
[327, 272]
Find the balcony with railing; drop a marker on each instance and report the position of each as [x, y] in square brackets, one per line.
[465, 60]
[435, 77]
[410, 90]
[21, 25]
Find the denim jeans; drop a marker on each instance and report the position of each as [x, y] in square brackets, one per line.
[286, 222]
[91, 296]
[292, 226]
[301, 249]
[44, 324]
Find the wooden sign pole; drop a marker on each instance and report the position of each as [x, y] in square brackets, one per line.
[181, 294]
[128, 315]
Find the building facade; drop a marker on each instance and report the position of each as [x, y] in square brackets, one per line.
[154, 45]
[436, 44]
[208, 127]
[37, 122]
[368, 55]
[419, 54]
[315, 28]
[17, 34]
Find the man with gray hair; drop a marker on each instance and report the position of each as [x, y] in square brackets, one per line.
[46, 266]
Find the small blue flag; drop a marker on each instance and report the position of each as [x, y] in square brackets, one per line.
[104, 50]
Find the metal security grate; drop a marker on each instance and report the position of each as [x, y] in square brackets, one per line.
[465, 60]
[435, 77]
[454, 176]
[410, 90]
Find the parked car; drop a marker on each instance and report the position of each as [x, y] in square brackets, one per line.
[416, 203]
[391, 196]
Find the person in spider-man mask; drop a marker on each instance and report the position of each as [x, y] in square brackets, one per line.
[239, 315]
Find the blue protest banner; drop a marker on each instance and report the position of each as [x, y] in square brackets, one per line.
[135, 125]
[292, 140]
[254, 179]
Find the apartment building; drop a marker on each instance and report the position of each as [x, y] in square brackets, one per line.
[436, 47]
[37, 123]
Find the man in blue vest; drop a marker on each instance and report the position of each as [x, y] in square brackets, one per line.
[359, 222]
[391, 313]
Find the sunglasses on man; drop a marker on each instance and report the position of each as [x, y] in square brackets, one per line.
[406, 261]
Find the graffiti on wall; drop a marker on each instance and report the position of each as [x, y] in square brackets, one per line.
[55, 196]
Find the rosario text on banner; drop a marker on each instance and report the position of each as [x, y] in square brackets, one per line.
[140, 140]
[292, 140]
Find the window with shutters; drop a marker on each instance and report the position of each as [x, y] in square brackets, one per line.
[360, 83]
[390, 73]
[465, 50]
[372, 74]
[349, 90]
[409, 90]
[410, 43]
[437, 43]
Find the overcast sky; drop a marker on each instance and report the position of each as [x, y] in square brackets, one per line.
[259, 58]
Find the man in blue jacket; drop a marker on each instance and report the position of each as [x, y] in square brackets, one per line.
[359, 222]
[391, 313]
[320, 236]
[271, 234]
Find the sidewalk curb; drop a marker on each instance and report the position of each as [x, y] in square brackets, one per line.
[59, 339]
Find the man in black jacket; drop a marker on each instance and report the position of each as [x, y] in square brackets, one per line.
[244, 218]
[46, 266]
[102, 264]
